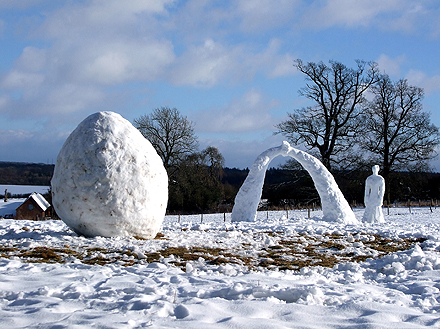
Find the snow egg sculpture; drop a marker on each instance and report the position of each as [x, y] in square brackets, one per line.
[109, 181]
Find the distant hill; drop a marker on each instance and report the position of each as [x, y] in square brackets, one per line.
[23, 173]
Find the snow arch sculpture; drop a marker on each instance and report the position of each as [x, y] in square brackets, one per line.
[334, 206]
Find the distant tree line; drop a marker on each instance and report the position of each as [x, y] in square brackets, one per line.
[23, 173]
[282, 188]
[293, 188]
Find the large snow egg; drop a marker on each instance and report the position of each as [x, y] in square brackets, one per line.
[109, 180]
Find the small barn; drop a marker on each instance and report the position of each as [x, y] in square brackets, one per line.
[35, 207]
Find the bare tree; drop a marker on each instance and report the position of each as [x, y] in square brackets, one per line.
[330, 125]
[398, 133]
[171, 134]
[214, 160]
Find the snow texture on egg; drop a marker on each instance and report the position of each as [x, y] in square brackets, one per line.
[109, 181]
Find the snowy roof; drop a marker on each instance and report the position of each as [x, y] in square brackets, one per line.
[40, 200]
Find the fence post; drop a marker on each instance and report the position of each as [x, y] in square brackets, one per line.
[179, 218]
[201, 218]
[409, 205]
[430, 205]
[308, 212]
[224, 217]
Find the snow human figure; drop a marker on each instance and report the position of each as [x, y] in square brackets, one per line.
[373, 199]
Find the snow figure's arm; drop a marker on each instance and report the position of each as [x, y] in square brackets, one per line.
[367, 192]
[381, 190]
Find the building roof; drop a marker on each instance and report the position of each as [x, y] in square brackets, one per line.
[40, 200]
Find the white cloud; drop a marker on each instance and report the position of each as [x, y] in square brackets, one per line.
[22, 4]
[412, 17]
[32, 146]
[70, 98]
[283, 67]
[93, 46]
[17, 135]
[212, 62]
[111, 11]
[271, 62]
[263, 15]
[421, 79]
[103, 17]
[32, 59]
[323, 14]
[4, 103]
[20, 80]
[205, 65]
[396, 15]
[390, 66]
[121, 61]
[251, 112]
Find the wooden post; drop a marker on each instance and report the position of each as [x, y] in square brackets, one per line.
[224, 217]
[409, 205]
[6, 195]
[267, 215]
[308, 213]
[287, 213]
[430, 205]
[201, 218]
[179, 219]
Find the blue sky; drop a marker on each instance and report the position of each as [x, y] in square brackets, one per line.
[226, 65]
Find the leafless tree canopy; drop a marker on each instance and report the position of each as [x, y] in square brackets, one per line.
[171, 134]
[398, 134]
[331, 124]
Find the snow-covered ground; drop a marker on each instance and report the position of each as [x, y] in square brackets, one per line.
[216, 274]
[8, 208]
[23, 189]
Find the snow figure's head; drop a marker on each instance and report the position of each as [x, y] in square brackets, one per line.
[375, 170]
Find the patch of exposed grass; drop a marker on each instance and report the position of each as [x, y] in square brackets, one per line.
[8, 249]
[43, 255]
[291, 253]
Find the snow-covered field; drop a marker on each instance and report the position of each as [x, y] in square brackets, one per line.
[8, 208]
[220, 274]
[23, 189]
